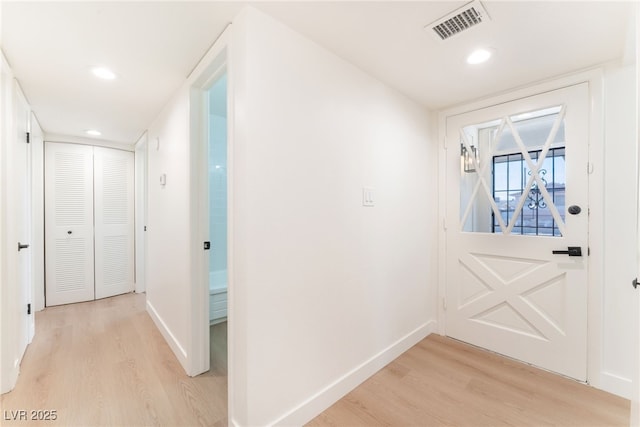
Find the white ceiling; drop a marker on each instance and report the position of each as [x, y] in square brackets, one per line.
[153, 46]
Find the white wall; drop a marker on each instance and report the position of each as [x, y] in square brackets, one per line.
[619, 250]
[175, 289]
[325, 290]
[169, 225]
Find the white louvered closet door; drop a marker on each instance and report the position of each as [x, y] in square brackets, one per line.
[69, 223]
[114, 225]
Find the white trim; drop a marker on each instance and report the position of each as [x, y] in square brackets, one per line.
[333, 392]
[143, 140]
[198, 82]
[635, 393]
[53, 137]
[178, 350]
[231, 289]
[8, 368]
[442, 224]
[37, 204]
[594, 78]
[617, 384]
[596, 231]
[525, 92]
[141, 183]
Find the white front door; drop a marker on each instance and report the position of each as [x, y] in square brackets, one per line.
[518, 191]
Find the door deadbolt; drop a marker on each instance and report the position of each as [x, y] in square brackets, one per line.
[574, 209]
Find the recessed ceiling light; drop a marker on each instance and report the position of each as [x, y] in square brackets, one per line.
[93, 132]
[479, 56]
[103, 73]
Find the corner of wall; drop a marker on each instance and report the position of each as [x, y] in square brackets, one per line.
[173, 342]
[168, 249]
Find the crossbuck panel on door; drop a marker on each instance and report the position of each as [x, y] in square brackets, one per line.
[511, 285]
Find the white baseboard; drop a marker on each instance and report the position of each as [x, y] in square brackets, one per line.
[9, 379]
[326, 397]
[175, 346]
[615, 384]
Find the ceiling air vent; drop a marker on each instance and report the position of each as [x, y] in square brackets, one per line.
[459, 20]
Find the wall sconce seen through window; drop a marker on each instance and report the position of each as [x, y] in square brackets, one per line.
[469, 159]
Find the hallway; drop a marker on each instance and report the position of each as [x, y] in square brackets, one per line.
[105, 363]
[354, 133]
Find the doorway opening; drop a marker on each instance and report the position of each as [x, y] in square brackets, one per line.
[212, 292]
[216, 99]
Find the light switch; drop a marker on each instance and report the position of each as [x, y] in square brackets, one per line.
[367, 196]
[163, 179]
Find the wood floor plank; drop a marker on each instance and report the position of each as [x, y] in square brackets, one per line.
[441, 381]
[104, 363]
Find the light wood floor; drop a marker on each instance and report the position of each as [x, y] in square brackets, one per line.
[441, 382]
[104, 363]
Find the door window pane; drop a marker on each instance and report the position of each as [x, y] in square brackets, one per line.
[508, 187]
[510, 175]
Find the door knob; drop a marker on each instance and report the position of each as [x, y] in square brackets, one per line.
[21, 246]
[571, 251]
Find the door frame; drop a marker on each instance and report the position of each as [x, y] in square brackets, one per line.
[200, 80]
[595, 273]
[37, 207]
[140, 200]
[635, 398]
[25, 284]
[12, 310]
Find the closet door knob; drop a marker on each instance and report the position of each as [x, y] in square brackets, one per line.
[69, 232]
